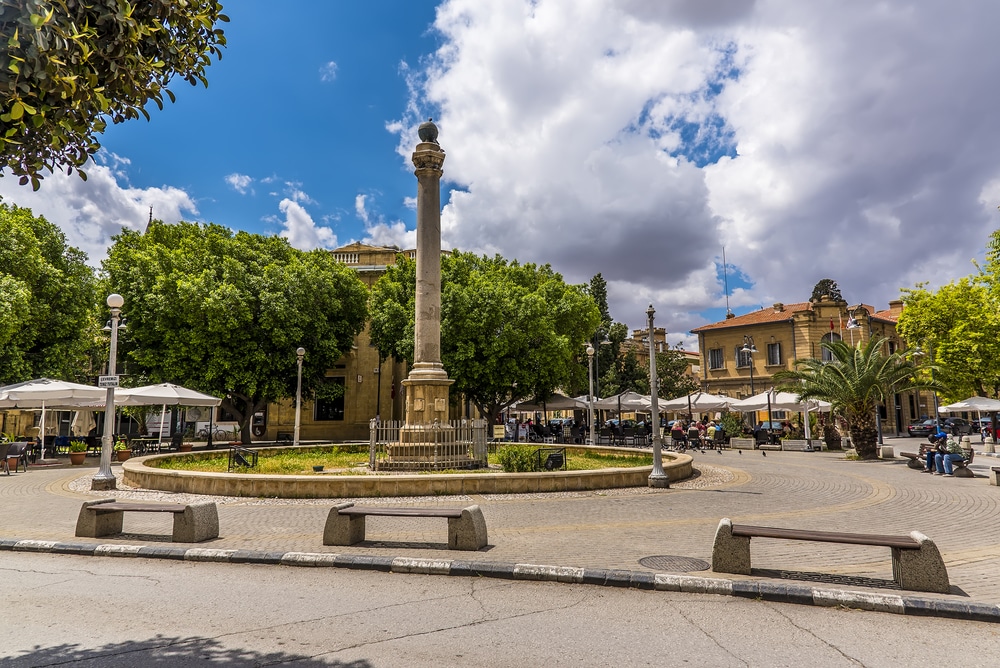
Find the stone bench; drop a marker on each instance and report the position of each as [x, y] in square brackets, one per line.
[796, 445]
[345, 525]
[916, 562]
[193, 522]
[995, 476]
[737, 443]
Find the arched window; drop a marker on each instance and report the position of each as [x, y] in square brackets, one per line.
[826, 356]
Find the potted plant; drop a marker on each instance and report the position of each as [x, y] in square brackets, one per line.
[77, 452]
[122, 450]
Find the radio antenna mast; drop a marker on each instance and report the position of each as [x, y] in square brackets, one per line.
[725, 279]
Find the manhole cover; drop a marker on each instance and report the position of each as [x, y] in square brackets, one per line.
[670, 563]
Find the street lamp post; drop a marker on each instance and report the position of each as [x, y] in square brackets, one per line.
[590, 376]
[299, 354]
[852, 323]
[749, 349]
[657, 478]
[104, 479]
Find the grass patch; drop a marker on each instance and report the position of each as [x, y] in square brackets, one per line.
[342, 459]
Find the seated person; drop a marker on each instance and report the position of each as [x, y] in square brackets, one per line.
[948, 453]
[937, 439]
[678, 435]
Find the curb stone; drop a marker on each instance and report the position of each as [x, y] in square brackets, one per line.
[754, 589]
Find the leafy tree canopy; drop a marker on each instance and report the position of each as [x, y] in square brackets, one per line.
[855, 381]
[224, 312]
[826, 287]
[959, 325]
[68, 65]
[47, 300]
[508, 331]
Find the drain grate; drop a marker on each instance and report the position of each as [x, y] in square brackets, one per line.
[670, 563]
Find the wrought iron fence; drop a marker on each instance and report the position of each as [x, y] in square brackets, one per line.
[459, 444]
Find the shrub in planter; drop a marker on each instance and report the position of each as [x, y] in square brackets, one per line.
[516, 458]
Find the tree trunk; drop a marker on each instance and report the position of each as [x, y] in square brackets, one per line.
[864, 435]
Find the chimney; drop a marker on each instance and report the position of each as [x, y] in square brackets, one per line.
[896, 306]
[779, 307]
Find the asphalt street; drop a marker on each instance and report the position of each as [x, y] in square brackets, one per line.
[107, 612]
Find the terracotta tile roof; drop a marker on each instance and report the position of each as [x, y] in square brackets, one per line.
[763, 316]
[769, 315]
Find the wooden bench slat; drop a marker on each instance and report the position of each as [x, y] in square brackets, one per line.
[902, 542]
[402, 512]
[139, 507]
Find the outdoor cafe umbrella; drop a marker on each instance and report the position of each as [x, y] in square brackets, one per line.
[626, 401]
[978, 404]
[782, 401]
[555, 402]
[47, 393]
[163, 394]
[697, 401]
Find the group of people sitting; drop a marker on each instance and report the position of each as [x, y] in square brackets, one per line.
[942, 454]
[695, 435]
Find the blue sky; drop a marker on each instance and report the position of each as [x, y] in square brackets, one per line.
[635, 138]
[301, 101]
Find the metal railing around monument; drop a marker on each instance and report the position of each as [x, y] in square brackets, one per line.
[395, 446]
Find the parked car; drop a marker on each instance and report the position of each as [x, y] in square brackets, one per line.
[956, 426]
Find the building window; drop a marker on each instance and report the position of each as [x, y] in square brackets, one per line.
[744, 358]
[892, 347]
[715, 358]
[773, 354]
[332, 407]
[825, 354]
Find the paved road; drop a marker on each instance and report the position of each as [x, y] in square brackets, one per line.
[616, 529]
[131, 612]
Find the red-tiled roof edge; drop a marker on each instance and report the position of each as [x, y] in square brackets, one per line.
[764, 315]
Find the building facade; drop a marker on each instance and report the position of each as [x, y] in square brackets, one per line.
[781, 335]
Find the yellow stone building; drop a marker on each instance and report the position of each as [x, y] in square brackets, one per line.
[785, 333]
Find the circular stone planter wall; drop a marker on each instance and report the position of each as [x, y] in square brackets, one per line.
[677, 467]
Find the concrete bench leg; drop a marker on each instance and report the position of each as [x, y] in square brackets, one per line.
[91, 524]
[995, 476]
[730, 554]
[343, 529]
[198, 522]
[467, 532]
[921, 569]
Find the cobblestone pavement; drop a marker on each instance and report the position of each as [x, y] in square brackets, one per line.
[614, 528]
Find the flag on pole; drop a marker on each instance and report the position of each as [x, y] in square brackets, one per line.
[831, 324]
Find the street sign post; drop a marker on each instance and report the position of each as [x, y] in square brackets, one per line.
[107, 381]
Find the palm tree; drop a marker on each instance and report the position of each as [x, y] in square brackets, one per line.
[855, 381]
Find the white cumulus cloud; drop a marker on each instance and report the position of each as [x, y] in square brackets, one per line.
[90, 212]
[636, 138]
[300, 229]
[239, 182]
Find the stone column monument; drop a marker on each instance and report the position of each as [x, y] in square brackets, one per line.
[426, 438]
[427, 384]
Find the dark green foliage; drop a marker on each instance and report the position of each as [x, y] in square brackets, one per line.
[47, 300]
[508, 331]
[223, 312]
[66, 66]
[517, 458]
